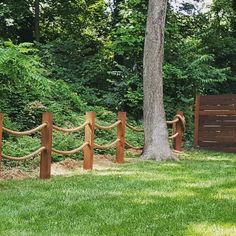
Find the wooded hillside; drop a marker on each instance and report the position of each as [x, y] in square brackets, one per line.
[90, 53]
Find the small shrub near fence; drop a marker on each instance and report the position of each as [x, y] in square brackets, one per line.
[89, 126]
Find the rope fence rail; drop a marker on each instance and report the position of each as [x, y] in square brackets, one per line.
[133, 147]
[178, 127]
[107, 127]
[134, 129]
[71, 130]
[29, 132]
[174, 135]
[71, 152]
[26, 157]
[170, 122]
[89, 127]
[106, 145]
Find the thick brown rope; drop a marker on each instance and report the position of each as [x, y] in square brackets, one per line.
[71, 151]
[134, 129]
[172, 121]
[174, 135]
[133, 147]
[107, 127]
[32, 131]
[72, 130]
[107, 145]
[175, 120]
[178, 152]
[33, 154]
[182, 120]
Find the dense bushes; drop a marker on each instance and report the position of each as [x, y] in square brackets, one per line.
[90, 58]
[26, 93]
[26, 90]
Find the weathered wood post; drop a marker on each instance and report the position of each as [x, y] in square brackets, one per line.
[120, 146]
[196, 120]
[1, 125]
[89, 137]
[46, 141]
[179, 129]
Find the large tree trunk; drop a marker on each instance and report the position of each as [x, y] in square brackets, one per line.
[156, 135]
[36, 21]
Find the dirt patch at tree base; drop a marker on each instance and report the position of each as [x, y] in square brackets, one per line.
[66, 167]
[15, 173]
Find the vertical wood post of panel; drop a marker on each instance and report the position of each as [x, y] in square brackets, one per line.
[46, 141]
[89, 137]
[120, 146]
[173, 132]
[179, 129]
[196, 121]
[1, 125]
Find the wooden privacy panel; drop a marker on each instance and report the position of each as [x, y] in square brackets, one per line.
[215, 122]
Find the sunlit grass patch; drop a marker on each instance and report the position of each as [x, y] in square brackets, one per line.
[211, 230]
[195, 196]
[227, 194]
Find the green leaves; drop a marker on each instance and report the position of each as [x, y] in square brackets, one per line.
[19, 61]
[25, 90]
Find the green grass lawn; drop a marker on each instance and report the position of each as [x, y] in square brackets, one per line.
[196, 196]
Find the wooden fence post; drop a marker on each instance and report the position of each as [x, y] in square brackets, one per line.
[196, 120]
[1, 125]
[120, 146]
[89, 137]
[46, 141]
[179, 139]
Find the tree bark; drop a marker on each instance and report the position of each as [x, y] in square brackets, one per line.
[36, 19]
[156, 134]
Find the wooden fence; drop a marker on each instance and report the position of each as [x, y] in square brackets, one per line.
[89, 126]
[215, 122]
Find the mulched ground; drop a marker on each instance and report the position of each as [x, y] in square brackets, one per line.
[15, 173]
[65, 167]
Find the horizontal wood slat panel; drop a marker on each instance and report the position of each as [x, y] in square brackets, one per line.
[225, 102]
[221, 149]
[207, 137]
[222, 99]
[217, 126]
[216, 144]
[217, 132]
[217, 122]
[217, 129]
[222, 140]
[218, 107]
[213, 113]
[217, 97]
[218, 117]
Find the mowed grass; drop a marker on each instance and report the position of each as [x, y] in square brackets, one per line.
[196, 196]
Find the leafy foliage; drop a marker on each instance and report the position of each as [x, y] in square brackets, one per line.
[90, 57]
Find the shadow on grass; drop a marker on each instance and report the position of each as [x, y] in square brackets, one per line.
[194, 197]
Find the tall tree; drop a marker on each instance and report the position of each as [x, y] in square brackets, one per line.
[36, 20]
[156, 134]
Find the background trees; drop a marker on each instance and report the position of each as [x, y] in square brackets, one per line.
[96, 48]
